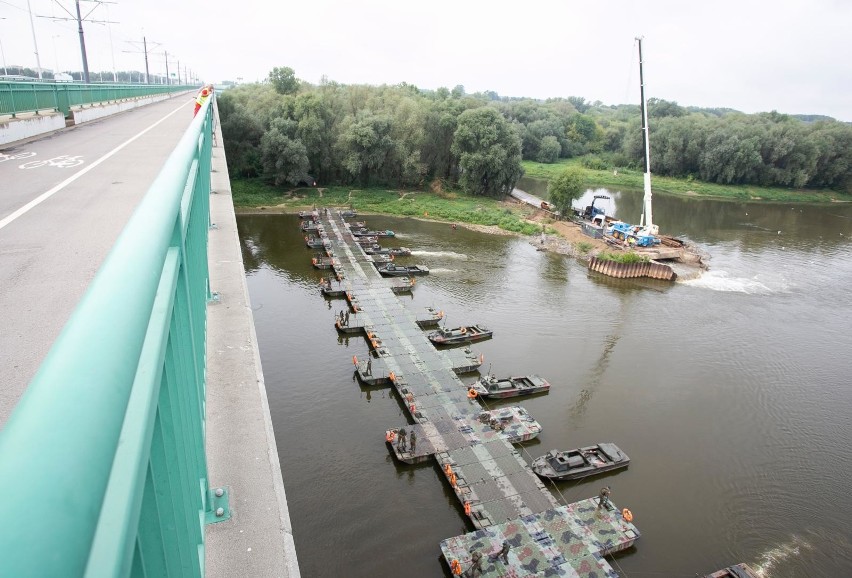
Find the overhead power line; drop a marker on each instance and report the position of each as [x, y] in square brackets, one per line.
[79, 18]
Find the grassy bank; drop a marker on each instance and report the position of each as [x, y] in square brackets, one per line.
[450, 207]
[627, 179]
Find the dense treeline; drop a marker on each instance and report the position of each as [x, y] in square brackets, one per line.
[292, 132]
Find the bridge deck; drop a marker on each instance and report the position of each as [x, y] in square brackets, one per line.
[504, 498]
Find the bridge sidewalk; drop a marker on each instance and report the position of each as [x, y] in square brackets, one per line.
[241, 450]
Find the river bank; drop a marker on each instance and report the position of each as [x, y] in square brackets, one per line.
[441, 206]
[631, 180]
[492, 216]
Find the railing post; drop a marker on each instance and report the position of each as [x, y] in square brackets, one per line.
[12, 99]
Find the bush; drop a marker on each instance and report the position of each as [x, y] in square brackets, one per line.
[629, 257]
[619, 160]
[596, 163]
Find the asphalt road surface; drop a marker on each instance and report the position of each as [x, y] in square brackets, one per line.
[64, 199]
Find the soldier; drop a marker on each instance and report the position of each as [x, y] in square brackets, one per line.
[476, 564]
[413, 440]
[503, 553]
[603, 497]
[400, 440]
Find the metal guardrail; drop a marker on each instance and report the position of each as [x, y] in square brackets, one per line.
[17, 97]
[102, 464]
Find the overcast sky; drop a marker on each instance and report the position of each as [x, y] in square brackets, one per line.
[794, 56]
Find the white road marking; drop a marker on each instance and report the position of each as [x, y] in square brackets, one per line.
[46, 195]
[63, 162]
[23, 155]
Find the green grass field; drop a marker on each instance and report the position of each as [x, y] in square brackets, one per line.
[449, 207]
[627, 179]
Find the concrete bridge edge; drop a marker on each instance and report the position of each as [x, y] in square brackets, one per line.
[242, 452]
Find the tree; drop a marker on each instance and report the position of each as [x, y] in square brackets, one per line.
[565, 189]
[549, 150]
[489, 152]
[284, 80]
[579, 103]
[659, 108]
[242, 135]
[284, 158]
[365, 145]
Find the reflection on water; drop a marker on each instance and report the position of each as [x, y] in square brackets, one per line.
[731, 394]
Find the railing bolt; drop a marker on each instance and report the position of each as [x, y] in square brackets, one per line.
[220, 492]
[220, 512]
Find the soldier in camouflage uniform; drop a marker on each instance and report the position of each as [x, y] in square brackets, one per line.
[603, 497]
[476, 565]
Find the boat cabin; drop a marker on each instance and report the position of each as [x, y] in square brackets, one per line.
[566, 461]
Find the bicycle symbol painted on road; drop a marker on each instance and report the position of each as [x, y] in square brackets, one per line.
[62, 162]
[15, 157]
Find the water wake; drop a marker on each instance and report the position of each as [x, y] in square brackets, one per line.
[779, 554]
[722, 281]
[446, 254]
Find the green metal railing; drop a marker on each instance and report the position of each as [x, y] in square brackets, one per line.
[18, 97]
[102, 464]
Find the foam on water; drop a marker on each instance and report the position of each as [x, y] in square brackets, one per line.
[722, 281]
[440, 271]
[780, 553]
[446, 254]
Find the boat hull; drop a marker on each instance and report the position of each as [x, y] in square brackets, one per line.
[460, 335]
[599, 463]
[511, 387]
[459, 340]
[398, 271]
[735, 571]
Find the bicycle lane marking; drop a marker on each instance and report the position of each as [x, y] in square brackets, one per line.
[47, 194]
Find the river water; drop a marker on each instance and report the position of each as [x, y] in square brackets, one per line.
[731, 393]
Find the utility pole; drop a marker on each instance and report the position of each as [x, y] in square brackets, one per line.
[111, 48]
[168, 78]
[82, 44]
[145, 48]
[144, 51]
[79, 18]
[3, 53]
[35, 44]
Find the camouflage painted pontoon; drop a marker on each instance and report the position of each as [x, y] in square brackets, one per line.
[512, 512]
